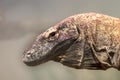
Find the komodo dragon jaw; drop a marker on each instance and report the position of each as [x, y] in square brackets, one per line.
[52, 43]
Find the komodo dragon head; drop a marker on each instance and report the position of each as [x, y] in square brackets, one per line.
[89, 41]
[52, 43]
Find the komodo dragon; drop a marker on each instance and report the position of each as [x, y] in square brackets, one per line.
[82, 41]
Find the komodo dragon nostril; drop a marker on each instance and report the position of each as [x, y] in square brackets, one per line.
[28, 55]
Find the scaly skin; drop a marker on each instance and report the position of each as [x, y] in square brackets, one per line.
[88, 40]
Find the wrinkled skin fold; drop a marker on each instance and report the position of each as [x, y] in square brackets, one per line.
[83, 41]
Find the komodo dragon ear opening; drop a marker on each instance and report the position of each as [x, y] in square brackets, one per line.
[78, 30]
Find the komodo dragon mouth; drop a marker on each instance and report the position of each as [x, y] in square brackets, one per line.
[33, 58]
[83, 41]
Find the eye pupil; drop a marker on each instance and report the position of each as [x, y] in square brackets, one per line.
[52, 34]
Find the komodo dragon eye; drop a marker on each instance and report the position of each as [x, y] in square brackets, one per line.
[53, 35]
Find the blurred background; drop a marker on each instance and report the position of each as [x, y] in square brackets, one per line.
[22, 20]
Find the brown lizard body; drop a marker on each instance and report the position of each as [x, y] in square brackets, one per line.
[88, 40]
